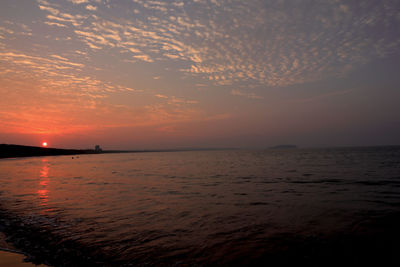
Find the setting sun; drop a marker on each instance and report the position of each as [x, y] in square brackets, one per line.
[44, 144]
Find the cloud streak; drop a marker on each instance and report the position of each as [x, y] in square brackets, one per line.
[245, 94]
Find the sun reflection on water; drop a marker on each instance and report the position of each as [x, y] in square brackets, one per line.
[43, 191]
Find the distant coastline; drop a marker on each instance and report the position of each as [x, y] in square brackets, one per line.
[283, 147]
[17, 151]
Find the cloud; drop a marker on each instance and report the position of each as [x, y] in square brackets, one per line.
[91, 8]
[5, 30]
[161, 96]
[52, 10]
[268, 44]
[61, 92]
[145, 58]
[55, 24]
[229, 43]
[178, 101]
[236, 92]
[60, 75]
[59, 57]
[78, 1]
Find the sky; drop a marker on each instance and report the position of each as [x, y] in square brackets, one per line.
[136, 74]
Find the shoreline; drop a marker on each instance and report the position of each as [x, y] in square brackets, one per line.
[367, 243]
[10, 256]
[39, 245]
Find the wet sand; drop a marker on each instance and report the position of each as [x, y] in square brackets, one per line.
[9, 258]
[13, 259]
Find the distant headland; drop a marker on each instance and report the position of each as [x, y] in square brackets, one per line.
[14, 151]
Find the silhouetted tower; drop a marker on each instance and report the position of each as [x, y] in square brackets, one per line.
[97, 148]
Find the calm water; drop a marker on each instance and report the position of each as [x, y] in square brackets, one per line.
[205, 207]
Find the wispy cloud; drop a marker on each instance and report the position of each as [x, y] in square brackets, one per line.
[61, 75]
[78, 1]
[55, 24]
[84, 57]
[236, 92]
[265, 45]
[161, 96]
[91, 8]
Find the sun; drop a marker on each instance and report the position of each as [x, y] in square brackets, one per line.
[44, 144]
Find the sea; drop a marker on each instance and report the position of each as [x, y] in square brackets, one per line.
[274, 207]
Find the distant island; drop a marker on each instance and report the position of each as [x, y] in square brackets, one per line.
[283, 147]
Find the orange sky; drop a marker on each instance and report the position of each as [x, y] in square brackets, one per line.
[166, 74]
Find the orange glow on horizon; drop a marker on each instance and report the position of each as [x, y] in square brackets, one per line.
[44, 144]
